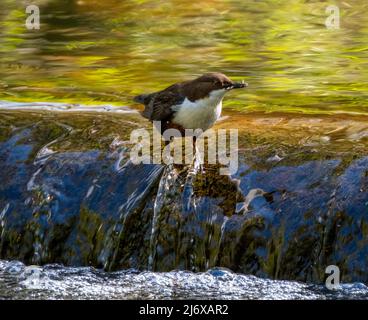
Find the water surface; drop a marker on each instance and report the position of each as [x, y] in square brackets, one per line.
[67, 197]
[107, 51]
[18, 281]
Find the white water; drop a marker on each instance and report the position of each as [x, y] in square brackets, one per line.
[18, 281]
[63, 107]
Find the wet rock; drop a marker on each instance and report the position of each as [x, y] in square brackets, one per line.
[70, 195]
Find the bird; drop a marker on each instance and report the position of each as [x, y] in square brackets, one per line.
[194, 104]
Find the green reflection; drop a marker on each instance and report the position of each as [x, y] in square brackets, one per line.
[107, 51]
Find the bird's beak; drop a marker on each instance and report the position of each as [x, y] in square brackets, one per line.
[239, 85]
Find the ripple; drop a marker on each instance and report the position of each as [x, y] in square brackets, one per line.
[63, 107]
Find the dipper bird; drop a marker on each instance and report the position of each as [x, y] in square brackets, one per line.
[194, 104]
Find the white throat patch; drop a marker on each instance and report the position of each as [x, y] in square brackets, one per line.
[201, 114]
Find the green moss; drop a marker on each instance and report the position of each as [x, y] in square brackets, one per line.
[221, 187]
[90, 235]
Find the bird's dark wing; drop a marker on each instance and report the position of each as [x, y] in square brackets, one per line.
[158, 106]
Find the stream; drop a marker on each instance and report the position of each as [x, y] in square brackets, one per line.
[79, 220]
[72, 201]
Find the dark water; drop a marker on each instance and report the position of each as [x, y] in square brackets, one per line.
[107, 51]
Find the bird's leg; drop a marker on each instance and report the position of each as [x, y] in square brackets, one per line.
[166, 152]
[197, 156]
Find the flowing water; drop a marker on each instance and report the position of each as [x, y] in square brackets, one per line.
[97, 226]
[71, 196]
[18, 281]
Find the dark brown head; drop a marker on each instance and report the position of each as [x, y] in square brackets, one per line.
[209, 82]
[220, 81]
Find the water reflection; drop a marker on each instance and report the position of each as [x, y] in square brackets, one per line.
[93, 51]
